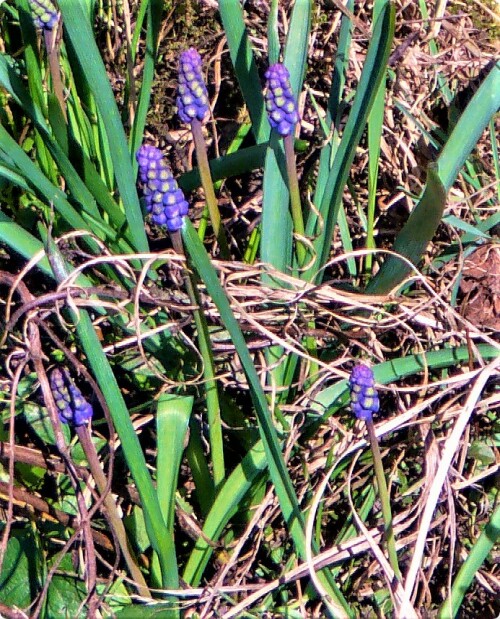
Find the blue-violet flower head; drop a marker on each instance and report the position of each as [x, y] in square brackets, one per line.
[364, 396]
[72, 406]
[281, 105]
[192, 96]
[164, 200]
[45, 14]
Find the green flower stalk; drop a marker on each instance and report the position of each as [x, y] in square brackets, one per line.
[364, 403]
[193, 109]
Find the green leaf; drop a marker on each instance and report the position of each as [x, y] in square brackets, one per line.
[240, 50]
[136, 527]
[472, 231]
[151, 611]
[414, 237]
[160, 540]
[333, 112]
[463, 580]
[277, 467]
[154, 8]
[469, 128]
[38, 182]
[276, 226]
[234, 164]
[20, 578]
[79, 32]
[228, 499]
[14, 236]
[371, 78]
[172, 421]
[38, 419]
[78, 453]
[480, 450]
[273, 41]
[64, 598]
[278, 470]
[422, 223]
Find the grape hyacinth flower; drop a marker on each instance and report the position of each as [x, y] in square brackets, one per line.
[365, 402]
[164, 200]
[364, 397]
[192, 96]
[46, 15]
[193, 109]
[72, 406]
[280, 103]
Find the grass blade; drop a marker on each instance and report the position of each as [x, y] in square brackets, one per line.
[230, 496]
[245, 67]
[414, 237]
[161, 540]
[172, 422]
[481, 549]
[276, 226]
[476, 116]
[423, 221]
[332, 120]
[154, 13]
[81, 38]
[371, 77]
[375, 124]
[242, 161]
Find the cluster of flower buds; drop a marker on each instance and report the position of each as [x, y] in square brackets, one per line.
[73, 408]
[364, 397]
[192, 96]
[280, 102]
[45, 14]
[164, 200]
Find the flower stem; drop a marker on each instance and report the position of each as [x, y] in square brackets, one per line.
[295, 204]
[208, 187]
[384, 498]
[111, 511]
[55, 69]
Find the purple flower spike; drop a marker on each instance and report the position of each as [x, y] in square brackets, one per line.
[364, 397]
[72, 406]
[45, 14]
[164, 200]
[192, 96]
[280, 103]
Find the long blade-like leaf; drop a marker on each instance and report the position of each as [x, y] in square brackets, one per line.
[414, 237]
[371, 77]
[424, 220]
[232, 16]
[275, 462]
[81, 37]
